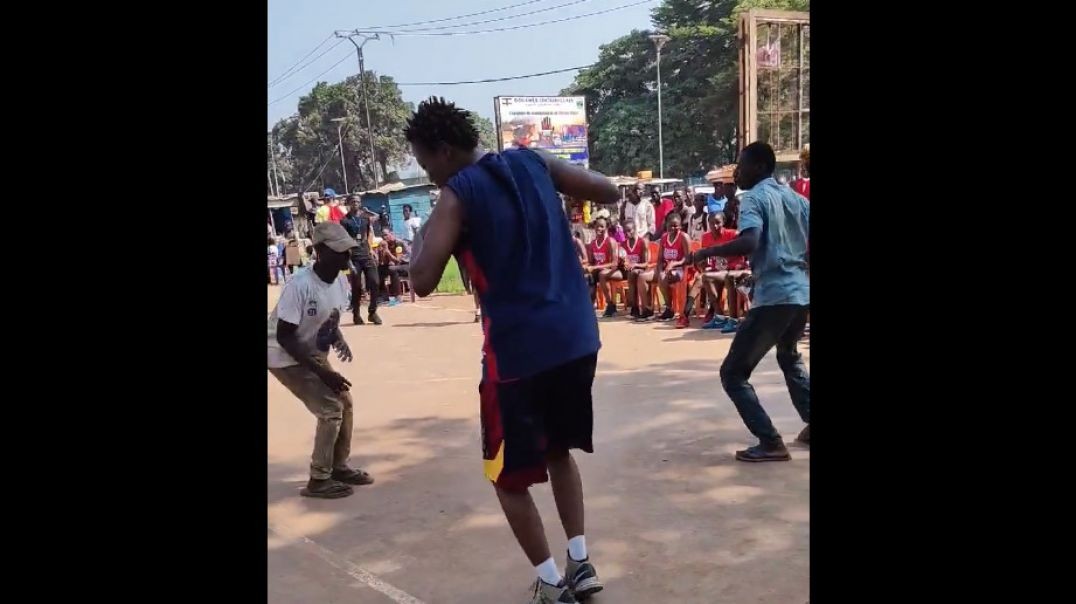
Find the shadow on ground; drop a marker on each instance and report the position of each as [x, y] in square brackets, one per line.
[670, 515]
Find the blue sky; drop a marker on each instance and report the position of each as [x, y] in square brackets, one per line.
[297, 26]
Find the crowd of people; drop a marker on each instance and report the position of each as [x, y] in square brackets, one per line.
[498, 214]
[376, 268]
[615, 253]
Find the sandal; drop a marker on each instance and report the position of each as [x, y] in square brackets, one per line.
[355, 477]
[325, 489]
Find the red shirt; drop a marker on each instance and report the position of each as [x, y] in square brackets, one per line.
[803, 187]
[733, 263]
[601, 253]
[663, 209]
[336, 214]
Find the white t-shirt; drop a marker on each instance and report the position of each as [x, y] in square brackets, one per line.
[312, 304]
[274, 255]
[412, 224]
[643, 215]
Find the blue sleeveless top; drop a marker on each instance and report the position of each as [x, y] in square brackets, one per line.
[518, 249]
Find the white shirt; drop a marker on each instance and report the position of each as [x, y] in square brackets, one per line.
[312, 304]
[643, 215]
[412, 225]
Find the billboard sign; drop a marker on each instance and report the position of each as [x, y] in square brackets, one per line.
[557, 124]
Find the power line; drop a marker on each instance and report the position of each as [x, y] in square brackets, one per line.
[285, 76]
[484, 12]
[519, 77]
[533, 12]
[312, 80]
[489, 31]
[289, 70]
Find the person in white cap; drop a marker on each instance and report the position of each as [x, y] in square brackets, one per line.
[303, 328]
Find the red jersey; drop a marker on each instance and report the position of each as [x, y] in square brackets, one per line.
[673, 250]
[803, 187]
[713, 263]
[635, 252]
[602, 253]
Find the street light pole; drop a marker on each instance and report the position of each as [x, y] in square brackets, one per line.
[340, 140]
[659, 41]
[362, 82]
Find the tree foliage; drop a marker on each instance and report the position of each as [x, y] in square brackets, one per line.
[700, 86]
[308, 141]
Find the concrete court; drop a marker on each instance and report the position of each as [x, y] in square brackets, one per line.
[671, 516]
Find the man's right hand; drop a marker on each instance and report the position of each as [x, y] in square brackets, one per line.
[336, 382]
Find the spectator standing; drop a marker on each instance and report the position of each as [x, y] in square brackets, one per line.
[662, 207]
[802, 185]
[357, 224]
[640, 212]
[412, 223]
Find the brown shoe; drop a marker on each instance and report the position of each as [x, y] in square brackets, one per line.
[355, 477]
[805, 436]
[325, 489]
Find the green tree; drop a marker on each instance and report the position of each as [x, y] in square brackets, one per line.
[308, 141]
[487, 134]
[699, 90]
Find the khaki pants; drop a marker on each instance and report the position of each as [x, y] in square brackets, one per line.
[332, 440]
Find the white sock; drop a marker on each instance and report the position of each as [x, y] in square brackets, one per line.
[547, 572]
[577, 548]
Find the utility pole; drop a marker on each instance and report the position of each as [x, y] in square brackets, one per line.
[362, 82]
[272, 154]
[340, 138]
[659, 41]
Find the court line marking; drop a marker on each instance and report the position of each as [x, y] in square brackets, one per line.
[356, 572]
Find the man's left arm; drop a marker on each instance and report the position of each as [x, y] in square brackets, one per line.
[435, 242]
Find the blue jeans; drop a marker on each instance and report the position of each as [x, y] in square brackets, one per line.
[765, 327]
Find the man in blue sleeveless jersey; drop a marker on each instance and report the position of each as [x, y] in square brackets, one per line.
[500, 214]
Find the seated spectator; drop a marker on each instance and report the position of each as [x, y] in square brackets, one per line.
[669, 270]
[602, 261]
[715, 275]
[634, 256]
[393, 255]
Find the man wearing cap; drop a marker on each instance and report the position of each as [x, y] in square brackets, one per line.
[303, 328]
[357, 224]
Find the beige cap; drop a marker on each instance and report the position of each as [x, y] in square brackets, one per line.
[334, 236]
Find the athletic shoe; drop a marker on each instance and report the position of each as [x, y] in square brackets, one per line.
[731, 326]
[610, 311]
[760, 452]
[645, 315]
[634, 312]
[582, 579]
[805, 436]
[683, 322]
[394, 301]
[716, 323]
[666, 315]
[357, 318]
[545, 593]
[376, 320]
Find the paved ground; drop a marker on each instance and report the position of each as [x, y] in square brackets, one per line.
[671, 517]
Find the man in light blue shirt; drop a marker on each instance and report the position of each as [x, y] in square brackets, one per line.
[773, 226]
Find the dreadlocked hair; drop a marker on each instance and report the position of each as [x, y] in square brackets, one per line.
[438, 121]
